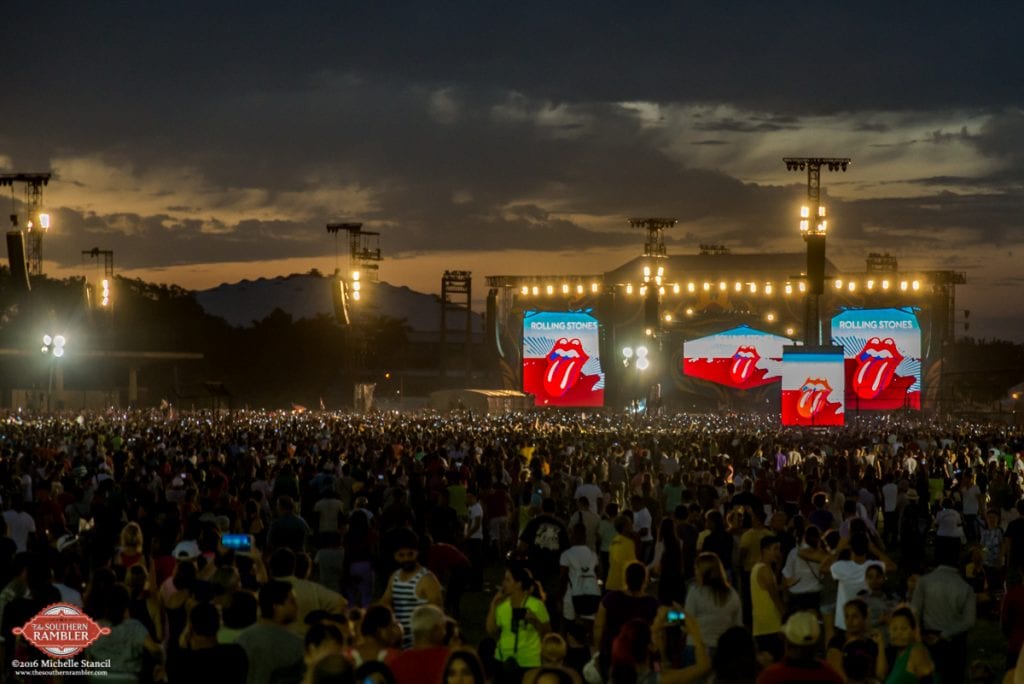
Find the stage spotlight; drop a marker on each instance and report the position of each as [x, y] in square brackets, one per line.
[629, 288]
[903, 285]
[770, 318]
[739, 287]
[768, 289]
[885, 284]
[839, 284]
[47, 340]
[675, 289]
[535, 290]
[627, 352]
[790, 331]
[916, 285]
[579, 289]
[668, 318]
[642, 364]
[852, 286]
[789, 289]
[803, 286]
[871, 284]
[689, 311]
[722, 286]
[594, 287]
[44, 221]
[707, 286]
[565, 288]
[550, 289]
[525, 290]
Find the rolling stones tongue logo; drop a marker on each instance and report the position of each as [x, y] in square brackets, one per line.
[744, 362]
[876, 364]
[813, 397]
[565, 362]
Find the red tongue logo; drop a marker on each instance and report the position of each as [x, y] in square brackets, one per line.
[813, 397]
[744, 361]
[565, 362]
[876, 366]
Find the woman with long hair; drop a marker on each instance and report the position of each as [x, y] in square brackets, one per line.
[360, 549]
[911, 662]
[463, 667]
[712, 601]
[144, 605]
[518, 618]
[668, 565]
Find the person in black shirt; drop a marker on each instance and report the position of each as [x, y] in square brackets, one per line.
[205, 659]
[857, 655]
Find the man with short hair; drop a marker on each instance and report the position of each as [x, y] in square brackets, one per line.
[309, 596]
[274, 653]
[579, 588]
[586, 517]
[206, 659]
[946, 606]
[290, 529]
[425, 660]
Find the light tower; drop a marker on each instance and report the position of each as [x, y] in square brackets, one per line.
[37, 223]
[655, 259]
[814, 227]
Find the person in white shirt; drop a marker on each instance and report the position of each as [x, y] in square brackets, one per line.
[642, 523]
[949, 528]
[890, 515]
[589, 490]
[850, 574]
[20, 524]
[970, 495]
[475, 538]
[803, 577]
[581, 593]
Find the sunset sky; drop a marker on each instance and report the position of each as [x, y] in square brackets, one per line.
[210, 142]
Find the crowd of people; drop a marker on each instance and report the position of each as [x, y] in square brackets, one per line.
[265, 548]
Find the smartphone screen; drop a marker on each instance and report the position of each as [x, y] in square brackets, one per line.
[242, 543]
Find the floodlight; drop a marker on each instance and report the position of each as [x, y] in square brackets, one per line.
[627, 352]
[44, 221]
[642, 363]
[47, 340]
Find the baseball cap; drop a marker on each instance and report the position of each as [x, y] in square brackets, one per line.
[801, 629]
[186, 550]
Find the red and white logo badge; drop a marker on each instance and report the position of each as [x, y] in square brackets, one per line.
[813, 397]
[565, 362]
[876, 365]
[744, 363]
[62, 630]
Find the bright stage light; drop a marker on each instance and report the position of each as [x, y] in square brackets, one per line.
[59, 341]
[579, 289]
[739, 287]
[768, 289]
[689, 311]
[691, 287]
[661, 290]
[594, 287]
[58, 352]
[722, 286]
[770, 317]
[668, 318]
[524, 290]
[47, 340]
[550, 289]
[852, 286]
[790, 331]
[643, 364]
[871, 284]
[356, 275]
[903, 285]
[647, 271]
[805, 212]
[707, 286]
[565, 288]
[753, 288]
[629, 288]
[916, 285]
[643, 290]
[649, 332]
[641, 351]
[44, 221]
[885, 284]
[535, 290]
[356, 295]
[839, 284]
[675, 289]
[789, 289]
[627, 352]
[803, 286]
[661, 271]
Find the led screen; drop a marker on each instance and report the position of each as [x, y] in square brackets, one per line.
[561, 362]
[743, 357]
[882, 350]
[812, 387]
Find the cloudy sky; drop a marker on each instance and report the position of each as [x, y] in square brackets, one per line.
[208, 142]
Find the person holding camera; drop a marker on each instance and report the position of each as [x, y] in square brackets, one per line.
[518, 619]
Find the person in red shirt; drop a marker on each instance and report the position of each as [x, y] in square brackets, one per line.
[800, 664]
[453, 570]
[425, 661]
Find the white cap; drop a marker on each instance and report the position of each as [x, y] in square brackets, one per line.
[186, 550]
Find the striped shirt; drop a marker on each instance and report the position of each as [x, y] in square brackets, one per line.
[405, 600]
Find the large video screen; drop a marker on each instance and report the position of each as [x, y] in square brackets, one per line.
[742, 357]
[812, 387]
[882, 350]
[561, 361]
